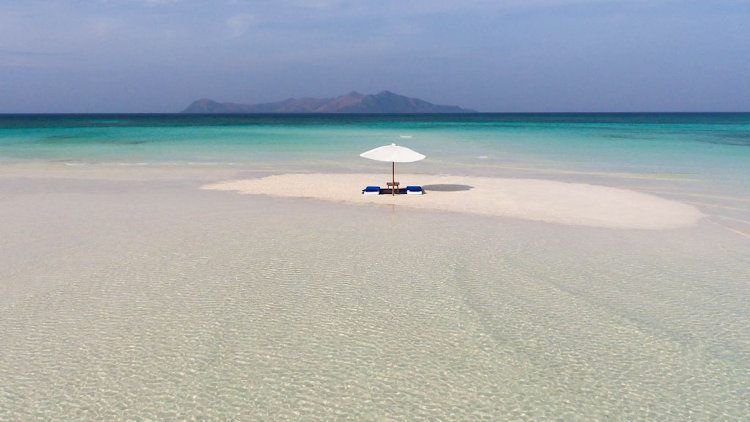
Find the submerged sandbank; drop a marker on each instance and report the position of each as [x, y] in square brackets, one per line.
[530, 199]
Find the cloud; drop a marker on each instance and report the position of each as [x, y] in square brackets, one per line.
[390, 8]
[26, 53]
[317, 4]
[155, 2]
[240, 23]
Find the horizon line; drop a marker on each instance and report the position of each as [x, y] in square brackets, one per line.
[356, 114]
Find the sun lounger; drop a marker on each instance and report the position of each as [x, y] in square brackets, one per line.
[371, 190]
[414, 190]
[375, 190]
[388, 191]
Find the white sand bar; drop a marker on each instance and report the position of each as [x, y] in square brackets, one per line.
[531, 199]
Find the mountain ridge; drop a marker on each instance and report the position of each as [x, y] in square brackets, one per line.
[352, 102]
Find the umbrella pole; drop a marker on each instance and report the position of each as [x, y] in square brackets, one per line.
[393, 178]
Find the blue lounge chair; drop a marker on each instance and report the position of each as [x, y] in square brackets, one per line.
[371, 190]
[414, 190]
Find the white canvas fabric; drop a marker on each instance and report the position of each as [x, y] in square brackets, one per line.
[393, 153]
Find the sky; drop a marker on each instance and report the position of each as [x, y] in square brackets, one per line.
[158, 56]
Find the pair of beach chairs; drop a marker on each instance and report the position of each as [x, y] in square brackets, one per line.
[376, 190]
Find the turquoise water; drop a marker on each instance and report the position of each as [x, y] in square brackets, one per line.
[709, 152]
[628, 141]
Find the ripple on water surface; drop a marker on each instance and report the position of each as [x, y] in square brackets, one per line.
[276, 308]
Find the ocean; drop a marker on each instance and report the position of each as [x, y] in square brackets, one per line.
[128, 292]
[708, 154]
[704, 145]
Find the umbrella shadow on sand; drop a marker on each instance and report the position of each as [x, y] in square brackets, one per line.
[446, 188]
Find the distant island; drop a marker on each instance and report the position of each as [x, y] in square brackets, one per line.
[353, 102]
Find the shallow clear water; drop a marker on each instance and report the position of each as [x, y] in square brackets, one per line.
[700, 158]
[128, 294]
[213, 305]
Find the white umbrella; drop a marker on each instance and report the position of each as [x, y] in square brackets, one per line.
[395, 154]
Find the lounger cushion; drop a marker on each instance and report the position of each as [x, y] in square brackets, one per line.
[414, 189]
[371, 190]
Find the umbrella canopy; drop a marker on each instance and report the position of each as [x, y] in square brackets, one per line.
[395, 154]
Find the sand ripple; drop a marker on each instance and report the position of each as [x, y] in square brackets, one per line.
[180, 304]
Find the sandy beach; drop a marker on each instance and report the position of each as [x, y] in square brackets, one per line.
[530, 199]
